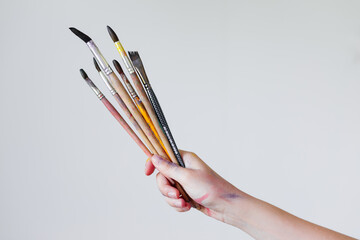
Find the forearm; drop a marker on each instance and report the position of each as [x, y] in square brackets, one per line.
[223, 201]
[265, 221]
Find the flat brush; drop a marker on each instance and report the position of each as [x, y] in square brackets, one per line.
[123, 107]
[115, 82]
[115, 113]
[142, 93]
[139, 68]
[138, 102]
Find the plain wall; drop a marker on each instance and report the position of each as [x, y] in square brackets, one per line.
[266, 92]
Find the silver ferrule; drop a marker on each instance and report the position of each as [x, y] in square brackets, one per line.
[130, 89]
[128, 64]
[107, 83]
[144, 82]
[99, 57]
[95, 89]
[143, 73]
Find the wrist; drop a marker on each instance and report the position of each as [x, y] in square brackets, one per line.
[237, 208]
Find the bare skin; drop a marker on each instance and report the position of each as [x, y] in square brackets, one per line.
[224, 202]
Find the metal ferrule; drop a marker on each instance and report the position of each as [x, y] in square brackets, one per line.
[99, 57]
[143, 73]
[130, 89]
[144, 82]
[128, 63]
[95, 89]
[107, 83]
[125, 58]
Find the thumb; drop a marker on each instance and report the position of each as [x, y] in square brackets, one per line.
[169, 169]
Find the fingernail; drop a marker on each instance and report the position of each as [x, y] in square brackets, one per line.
[172, 194]
[178, 204]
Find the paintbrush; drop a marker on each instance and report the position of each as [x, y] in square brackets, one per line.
[140, 70]
[138, 102]
[115, 113]
[142, 94]
[115, 82]
[123, 106]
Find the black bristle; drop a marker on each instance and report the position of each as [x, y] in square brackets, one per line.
[135, 58]
[83, 74]
[133, 55]
[96, 65]
[112, 34]
[81, 35]
[118, 67]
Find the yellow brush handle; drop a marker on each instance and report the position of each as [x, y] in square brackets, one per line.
[146, 116]
[120, 48]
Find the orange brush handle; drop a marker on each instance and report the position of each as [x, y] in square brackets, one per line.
[146, 116]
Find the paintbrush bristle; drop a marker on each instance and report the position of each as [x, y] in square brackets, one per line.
[81, 35]
[135, 58]
[118, 67]
[112, 34]
[133, 54]
[96, 65]
[83, 74]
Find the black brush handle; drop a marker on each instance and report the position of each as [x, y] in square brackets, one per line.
[162, 120]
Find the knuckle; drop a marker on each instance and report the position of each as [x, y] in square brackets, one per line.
[186, 175]
[169, 202]
[176, 203]
[170, 165]
[163, 193]
[158, 177]
[194, 154]
[162, 189]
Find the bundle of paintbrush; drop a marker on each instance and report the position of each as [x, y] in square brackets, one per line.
[141, 107]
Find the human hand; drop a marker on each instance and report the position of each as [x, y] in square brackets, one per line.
[221, 200]
[200, 182]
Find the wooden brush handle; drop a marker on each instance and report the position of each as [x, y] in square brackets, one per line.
[127, 128]
[115, 82]
[134, 122]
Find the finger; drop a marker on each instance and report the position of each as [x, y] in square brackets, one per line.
[149, 167]
[184, 209]
[176, 203]
[169, 169]
[191, 160]
[165, 187]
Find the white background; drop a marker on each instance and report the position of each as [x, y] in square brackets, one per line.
[266, 92]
